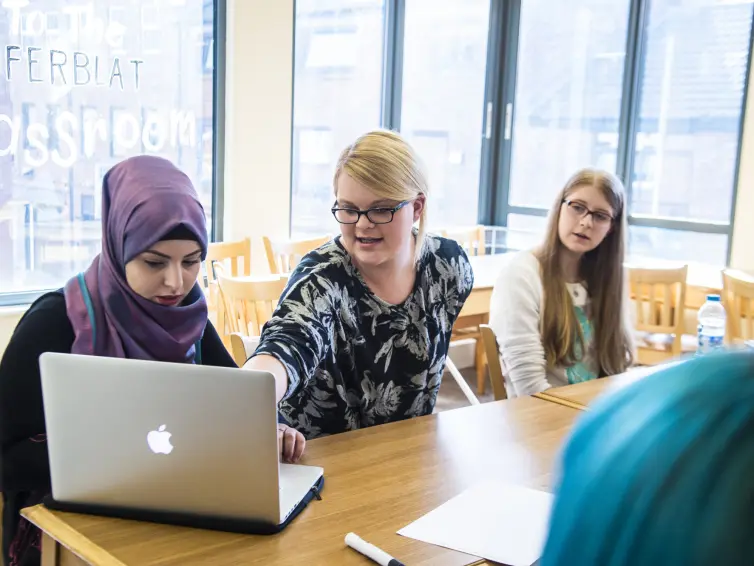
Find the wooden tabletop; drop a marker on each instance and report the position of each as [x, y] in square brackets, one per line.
[377, 480]
[580, 395]
[487, 267]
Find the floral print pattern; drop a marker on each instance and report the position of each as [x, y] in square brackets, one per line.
[354, 360]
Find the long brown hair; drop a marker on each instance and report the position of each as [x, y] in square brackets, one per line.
[602, 271]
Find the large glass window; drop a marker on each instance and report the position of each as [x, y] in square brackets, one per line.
[444, 69]
[85, 86]
[568, 94]
[337, 96]
[665, 117]
[687, 134]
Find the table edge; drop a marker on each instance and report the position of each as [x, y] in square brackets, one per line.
[60, 531]
[554, 398]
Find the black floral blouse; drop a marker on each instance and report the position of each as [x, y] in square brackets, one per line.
[354, 360]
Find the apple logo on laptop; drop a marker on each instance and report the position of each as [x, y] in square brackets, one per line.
[159, 441]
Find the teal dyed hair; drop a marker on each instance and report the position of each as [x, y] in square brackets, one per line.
[662, 472]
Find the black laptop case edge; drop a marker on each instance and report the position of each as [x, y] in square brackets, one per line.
[214, 523]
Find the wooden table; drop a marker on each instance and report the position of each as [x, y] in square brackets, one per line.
[486, 269]
[377, 481]
[580, 395]
[476, 309]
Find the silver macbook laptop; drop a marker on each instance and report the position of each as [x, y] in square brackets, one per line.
[154, 439]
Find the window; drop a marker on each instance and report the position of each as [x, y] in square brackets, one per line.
[505, 99]
[444, 70]
[666, 119]
[338, 67]
[58, 140]
[150, 27]
[568, 94]
[117, 19]
[687, 132]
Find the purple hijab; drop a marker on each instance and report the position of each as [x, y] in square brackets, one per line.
[144, 198]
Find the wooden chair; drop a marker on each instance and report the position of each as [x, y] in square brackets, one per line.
[232, 253]
[284, 256]
[458, 377]
[242, 347]
[659, 297]
[223, 255]
[492, 353]
[738, 298]
[249, 304]
[467, 328]
[472, 240]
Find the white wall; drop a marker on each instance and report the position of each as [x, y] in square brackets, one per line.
[259, 100]
[9, 317]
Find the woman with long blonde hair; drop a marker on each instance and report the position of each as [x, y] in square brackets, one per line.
[361, 333]
[559, 311]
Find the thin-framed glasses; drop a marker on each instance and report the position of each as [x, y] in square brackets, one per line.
[377, 215]
[580, 211]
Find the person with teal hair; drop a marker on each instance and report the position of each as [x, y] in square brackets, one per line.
[662, 472]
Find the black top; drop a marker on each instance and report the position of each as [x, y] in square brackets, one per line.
[25, 466]
[354, 360]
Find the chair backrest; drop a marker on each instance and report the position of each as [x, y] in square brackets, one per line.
[470, 239]
[249, 304]
[738, 296]
[242, 347]
[491, 350]
[659, 296]
[229, 253]
[284, 255]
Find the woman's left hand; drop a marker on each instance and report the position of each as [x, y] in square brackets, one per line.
[291, 443]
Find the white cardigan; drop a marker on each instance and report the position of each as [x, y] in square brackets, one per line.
[515, 311]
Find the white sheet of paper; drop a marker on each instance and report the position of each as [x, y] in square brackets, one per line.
[496, 521]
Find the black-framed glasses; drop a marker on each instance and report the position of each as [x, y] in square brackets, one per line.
[377, 215]
[580, 211]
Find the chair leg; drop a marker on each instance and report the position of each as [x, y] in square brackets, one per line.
[465, 389]
[481, 366]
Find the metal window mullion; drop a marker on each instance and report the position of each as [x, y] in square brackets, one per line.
[737, 168]
[490, 134]
[219, 32]
[631, 94]
[528, 211]
[392, 74]
[680, 225]
[508, 68]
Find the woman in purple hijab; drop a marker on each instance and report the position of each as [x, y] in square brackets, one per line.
[138, 299]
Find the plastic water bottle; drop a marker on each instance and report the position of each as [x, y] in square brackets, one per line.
[711, 330]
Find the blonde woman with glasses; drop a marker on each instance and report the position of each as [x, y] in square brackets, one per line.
[559, 311]
[362, 331]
